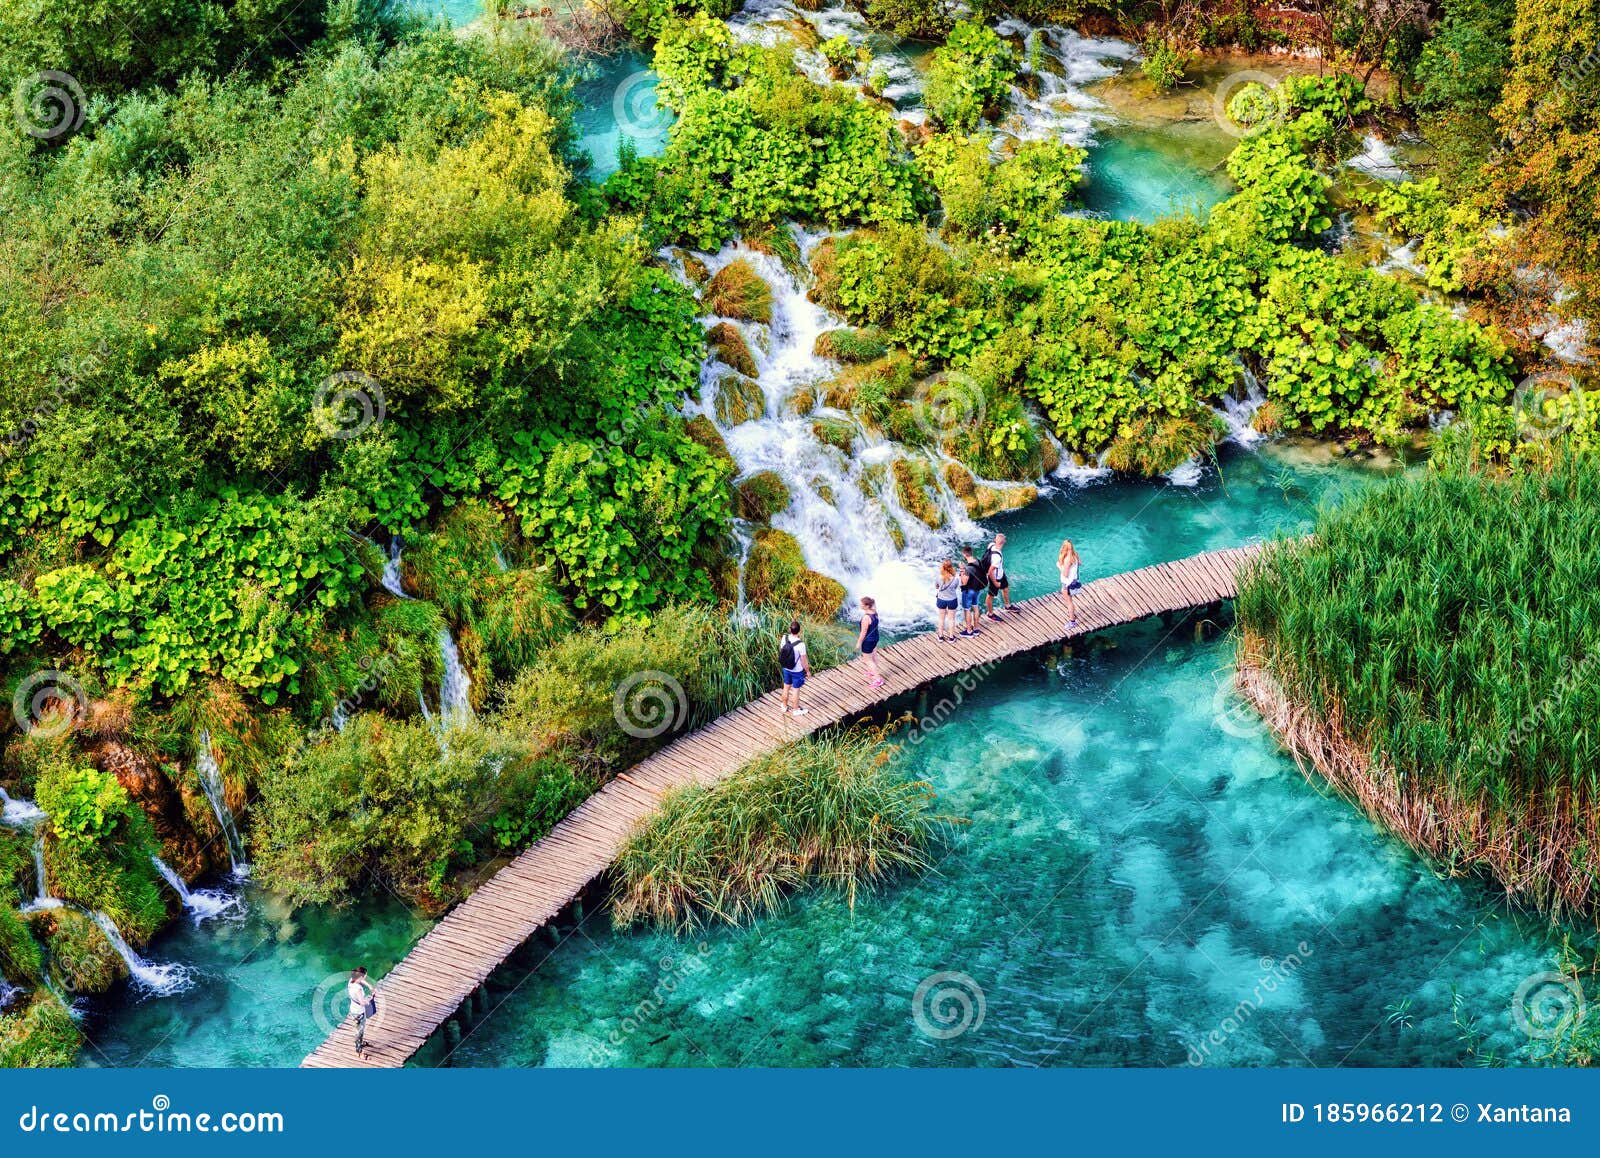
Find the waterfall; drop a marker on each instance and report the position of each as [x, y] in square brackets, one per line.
[500, 559]
[8, 993]
[18, 813]
[454, 687]
[162, 980]
[210, 773]
[391, 569]
[42, 898]
[202, 904]
[1376, 159]
[1239, 411]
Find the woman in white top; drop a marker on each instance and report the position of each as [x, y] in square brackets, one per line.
[1067, 563]
[360, 992]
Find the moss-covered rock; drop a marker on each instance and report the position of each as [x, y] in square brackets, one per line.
[81, 959]
[835, 432]
[737, 400]
[20, 959]
[737, 291]
[777, 241]
[42, 1035]
[1155, 446]
[702, 430]
[728, 344]
[802, 402]
[823, 489]
[776, 576]
[804, 32]
[693, 268]
[982, 500]
[762, 495]
[916, 488]
[850, 345]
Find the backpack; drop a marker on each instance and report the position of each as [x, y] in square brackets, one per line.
[786, 654]
[985, 561]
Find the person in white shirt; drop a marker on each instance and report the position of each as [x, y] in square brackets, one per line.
[999, 584]
[1067, 561]
[360, 992]
[796, 667]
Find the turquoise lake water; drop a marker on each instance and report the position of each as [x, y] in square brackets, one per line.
[1143, 870]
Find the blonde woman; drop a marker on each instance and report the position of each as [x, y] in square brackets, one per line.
[946, 598]
[1067, 563]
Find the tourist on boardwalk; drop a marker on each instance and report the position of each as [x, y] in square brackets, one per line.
[974, 578]
[867, 641]
[363, 1005]
[946, 598]
[1067, 563]
[999, 584]
[796, 667]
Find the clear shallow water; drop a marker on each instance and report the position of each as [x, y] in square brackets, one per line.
[268, 986]
[1147, 174]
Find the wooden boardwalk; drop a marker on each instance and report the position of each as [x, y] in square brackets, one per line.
[448, 964]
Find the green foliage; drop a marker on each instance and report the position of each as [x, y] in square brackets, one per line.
[81, 957]
[710, 664]
[970, 77]
[538, 794]
[1448, 625]
[826, 811]
[1010, 198]
[20, 958]
[386, 798]
[647, 19]
[1447, 231]
[1465, 62]
[691, 56]
[100, 854]
[1282, 196]
[42, 1035]
[1163, 65]
[922, 19]
[772, 147]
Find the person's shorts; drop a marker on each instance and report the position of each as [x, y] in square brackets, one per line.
[1073, 586]
[869, 647]
[794, 679]
[970, 597]
[945, 604]
[998, 585]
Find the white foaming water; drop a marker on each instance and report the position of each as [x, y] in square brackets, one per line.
[1062, 111]
[1376, 159]
[161, 980]
[211, 782]
[455, 686]
[42, 898]
[844, 511]
[1187, 474]
[391, 570]
[18, 813]
[1568, 340]
[8, 993]
[1239, 411]
[202, 904]
[1402, 257]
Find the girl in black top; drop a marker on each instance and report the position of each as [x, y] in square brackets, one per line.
[867, 641]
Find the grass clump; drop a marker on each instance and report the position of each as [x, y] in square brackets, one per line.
[776, 577]
[1440, 638]
[41, 1036]
[737, 291]
[728, 344]
[1154, 446]
[830, 811]
[851, 345]
[763, 495]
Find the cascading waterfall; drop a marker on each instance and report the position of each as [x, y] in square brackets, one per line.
[844, 510]
[18, 813]
[211, 782]
[162, 980]
[202, 904]
[455, 685]
[42, 898]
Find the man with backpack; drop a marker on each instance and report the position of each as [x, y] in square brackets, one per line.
[995, 564]
[796, 667]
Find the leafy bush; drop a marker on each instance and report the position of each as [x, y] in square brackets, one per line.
[1014, 197]
[827, 811]
[970, 77]
[100, 852]
[1163, 64]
